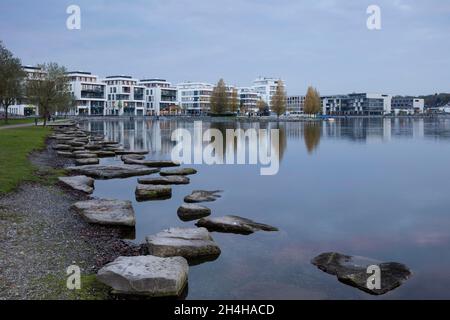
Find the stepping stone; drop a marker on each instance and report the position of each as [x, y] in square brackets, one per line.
[353, 271]
[146, 275]
[164, 180]
[132, 156]
[112, 149]
[104, 154]
[79, 183]
[93, 147]
[194, 244]
[61, 138]
[65, 154]
[109, 143]
[61, 147]
[131, 152]
[233, 224]
[178, 172]
[152, 163]
[82, 152]
[76, 143]
[107, 212]
[85, 155]
[191, 211]
[152, 192]
[112, 171]
[202, 196]
[86, 161]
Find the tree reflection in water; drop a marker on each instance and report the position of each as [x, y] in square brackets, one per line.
[311, 134]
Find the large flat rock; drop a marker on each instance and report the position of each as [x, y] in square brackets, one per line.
[164, 180]
[192, 211]
[79, 183]
[86, 161]
[146, 275]
[130, 152]
[178, 172]
[233, 224]
[151, 163]
[132, 156]
[202, 196]
[152, 192]
[66, 154]
[107, 212]
[84, 155]
[112, 171]
[352, 270]
[104, 154]
[194, 244]
[61, 147]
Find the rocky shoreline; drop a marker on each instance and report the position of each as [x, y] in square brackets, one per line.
[40, 236]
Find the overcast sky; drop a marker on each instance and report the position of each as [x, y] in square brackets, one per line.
[321, 42]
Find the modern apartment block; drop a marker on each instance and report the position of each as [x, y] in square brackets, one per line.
[125, 96]
[194, 97]
[89, 94]
[407, 105]
[295, 103]
[160, 96]
[266, 88]
[336, 105]
[370, 103]
[21, 107]
[357, 104]
[248, 99]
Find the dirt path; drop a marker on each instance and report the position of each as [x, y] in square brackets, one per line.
[40, 237]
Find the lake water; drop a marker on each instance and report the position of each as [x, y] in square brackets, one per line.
[372, 187]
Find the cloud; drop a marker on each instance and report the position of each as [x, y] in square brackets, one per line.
[325, 42]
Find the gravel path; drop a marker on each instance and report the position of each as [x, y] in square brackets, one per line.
[40, 237]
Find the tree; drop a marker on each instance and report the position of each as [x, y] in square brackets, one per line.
[234, 101]
[278, 101]
[12, 76]
[262, 106]
[49, 90]
[219, 98]
[312, 101]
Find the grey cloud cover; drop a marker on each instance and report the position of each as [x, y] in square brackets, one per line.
[323, 42]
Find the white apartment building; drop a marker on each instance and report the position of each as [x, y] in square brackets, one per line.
[125, 96]
[160, 96]
[295, 103]
[22, 107]
[194, 97]
[266, 88]
[407, 105]
[89, 93]
[248, 99]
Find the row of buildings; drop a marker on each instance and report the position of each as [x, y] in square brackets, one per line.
[121, 95]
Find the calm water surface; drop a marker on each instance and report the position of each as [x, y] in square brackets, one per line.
[373, 187]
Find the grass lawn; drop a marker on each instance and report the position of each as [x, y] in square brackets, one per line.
[15, 145]
[16, 121]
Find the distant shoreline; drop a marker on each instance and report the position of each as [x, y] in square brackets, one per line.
[253, 119]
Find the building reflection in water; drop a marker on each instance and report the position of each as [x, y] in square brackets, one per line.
[155, 135]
